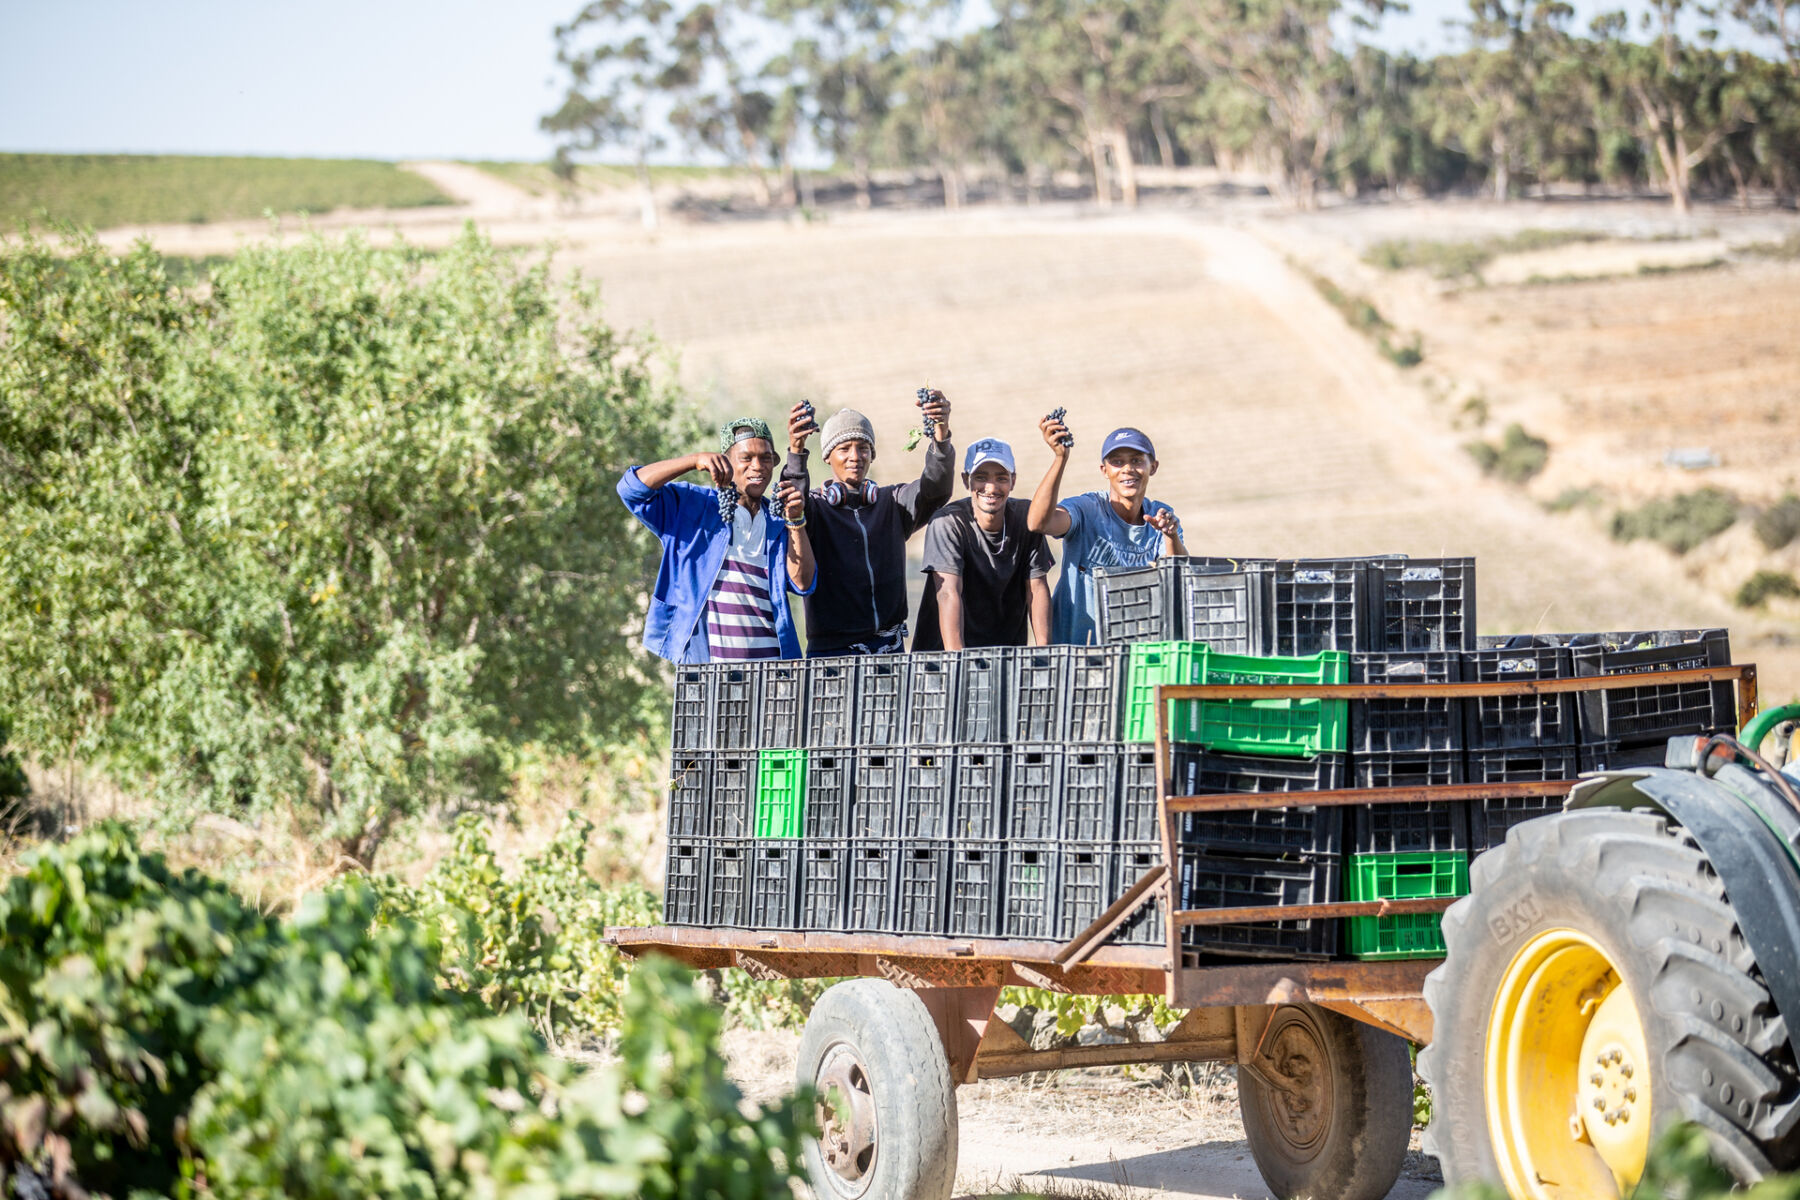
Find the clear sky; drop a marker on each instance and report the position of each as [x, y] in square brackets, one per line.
[330, 78]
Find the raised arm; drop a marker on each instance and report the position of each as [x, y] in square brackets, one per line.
[794, 470]
[928, 493]
[669, 469]
[1046, 515]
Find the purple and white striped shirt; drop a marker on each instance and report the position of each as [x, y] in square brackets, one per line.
[740, 615]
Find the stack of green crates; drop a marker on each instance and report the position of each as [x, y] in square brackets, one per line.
[1281, 728]
[780, 793]
[1415, 876]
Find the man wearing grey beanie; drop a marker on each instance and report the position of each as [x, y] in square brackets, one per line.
[859, 528]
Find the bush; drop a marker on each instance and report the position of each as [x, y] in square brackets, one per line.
[1678, 522]
[1757, 589]
[1518, 457]
[157, 1034]
[532, 940]
[334, 534]
[1778, 524]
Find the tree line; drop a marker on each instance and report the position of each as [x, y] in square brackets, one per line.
[1669, 101]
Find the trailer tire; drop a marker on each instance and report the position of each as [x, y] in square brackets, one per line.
[889, 1132]
[1327, 1104]
[1575, 915]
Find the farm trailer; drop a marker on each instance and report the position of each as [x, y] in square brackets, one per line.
[1616, 966]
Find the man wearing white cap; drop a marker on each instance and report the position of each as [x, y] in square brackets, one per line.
[986, 573]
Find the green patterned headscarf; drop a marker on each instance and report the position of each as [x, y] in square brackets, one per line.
[742, 429]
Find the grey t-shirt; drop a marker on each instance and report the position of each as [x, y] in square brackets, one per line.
[995, 571]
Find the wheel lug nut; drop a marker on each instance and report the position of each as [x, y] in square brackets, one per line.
[1630, 1094]
[1626, 1071]
[1596, 1079]
[1600, 1103]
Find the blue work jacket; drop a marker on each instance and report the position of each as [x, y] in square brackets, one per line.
[685, 518]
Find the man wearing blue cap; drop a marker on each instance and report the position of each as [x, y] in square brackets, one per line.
[1120, 527]
[985, 572]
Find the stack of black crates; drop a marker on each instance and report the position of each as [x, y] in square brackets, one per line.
[1397, 621]
[975, 793]
[1011, 793]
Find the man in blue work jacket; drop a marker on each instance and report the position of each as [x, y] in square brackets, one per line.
[722, 589]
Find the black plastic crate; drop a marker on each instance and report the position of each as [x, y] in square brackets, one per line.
[1437, 826]
[1210, 881]
[1228, 610]
[1140, 604]
[981, 711]
[1490, 819]
[690, 784]
[691, 722]
[1131, 862]
[1423, 604]
[829, 775]
[876, 786]
[733, 809]
[824, 883]
[1035, 693]
[735, 696]
[781, 713]
[1653, 713]
[1610, 756]
[775, 885]
[1090, 792]
[1084, 885]
[728, 883]
[1033, 791]
[931, 697]
[922, 895]
[1501, 722]
[1319, 604]
[881, 700]
[1137, 795]
[1402, 725]
[830, 702]
[976, 881]
[978, 799]
[1028, 899]
[869, 898]
[930, 773]
[1524, 764]
[1302, 830]
[1430, 768]
[684, 883]
[1093, 680]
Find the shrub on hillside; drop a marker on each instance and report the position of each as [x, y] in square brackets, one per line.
[334, 532]
[156, 1034]
[1678, 522]
[1778, 524]
[1757, 589]
[1517, 458]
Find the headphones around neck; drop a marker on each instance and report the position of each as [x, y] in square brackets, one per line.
[837, 495]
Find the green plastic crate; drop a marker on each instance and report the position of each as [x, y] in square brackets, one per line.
[780, 793]
[1151, 665]
[1404, 877]
[1280, 728]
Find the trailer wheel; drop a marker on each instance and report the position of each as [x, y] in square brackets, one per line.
[1327, 1104]
[1597, 988]
[887, 1106]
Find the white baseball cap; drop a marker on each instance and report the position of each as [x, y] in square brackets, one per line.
[988, 450]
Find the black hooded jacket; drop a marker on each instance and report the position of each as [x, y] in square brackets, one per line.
[860, 549]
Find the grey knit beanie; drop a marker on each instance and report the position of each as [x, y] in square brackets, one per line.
[848, 425]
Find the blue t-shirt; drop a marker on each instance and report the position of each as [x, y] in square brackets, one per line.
[1096, 538]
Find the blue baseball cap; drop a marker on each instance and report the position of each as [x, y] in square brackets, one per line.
[1126, 438]
[988, 450]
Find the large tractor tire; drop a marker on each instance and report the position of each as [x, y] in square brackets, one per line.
[887, 1105]
[1597, 989]
[1327, 1105]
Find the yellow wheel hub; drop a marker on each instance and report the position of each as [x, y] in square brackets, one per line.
[1567, 1073]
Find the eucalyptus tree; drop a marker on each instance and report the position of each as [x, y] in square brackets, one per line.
[1106, 62]
[1494, 102]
